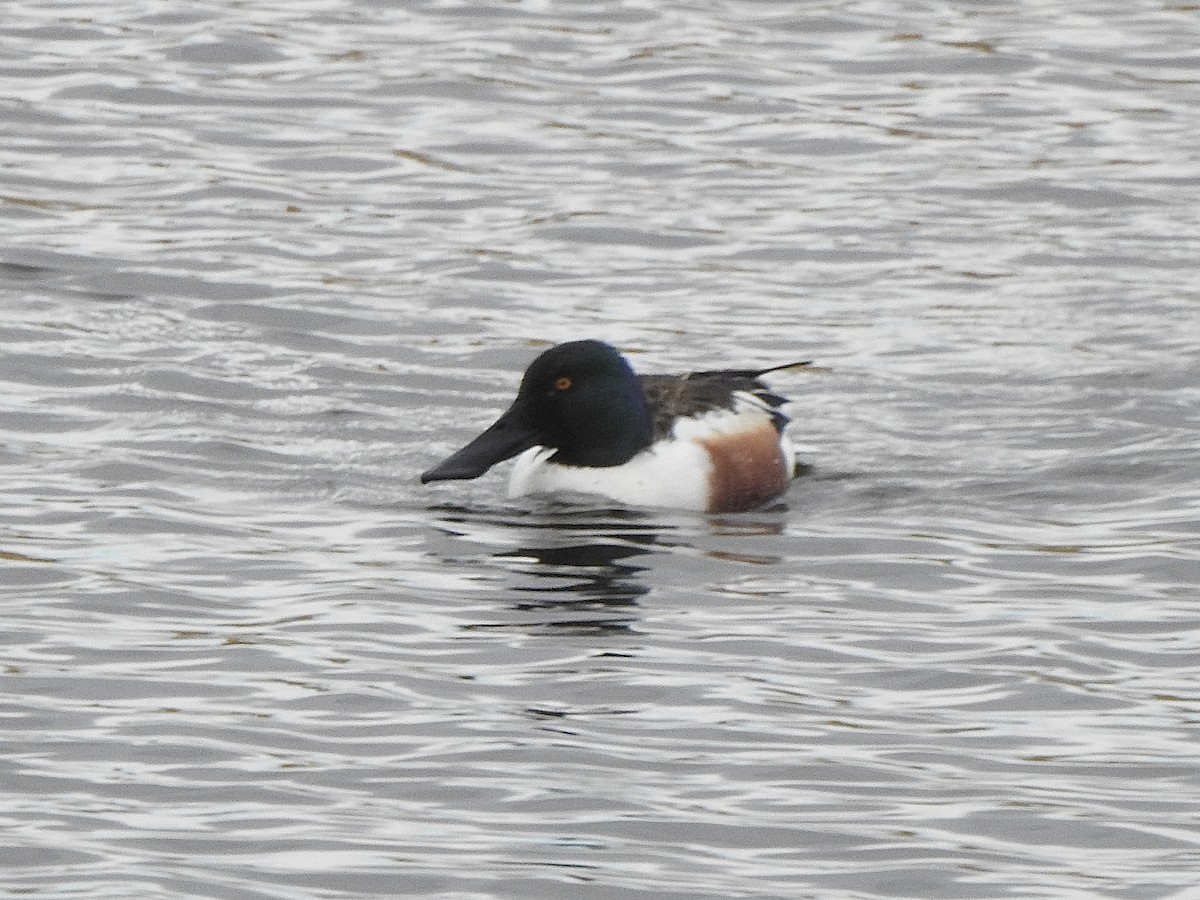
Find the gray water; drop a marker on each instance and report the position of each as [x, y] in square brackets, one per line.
[265, 262]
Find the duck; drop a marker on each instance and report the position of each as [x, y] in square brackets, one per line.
[585, 423]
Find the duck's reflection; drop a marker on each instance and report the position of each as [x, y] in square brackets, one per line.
[564, 570]
[600, 573]
[559, 566]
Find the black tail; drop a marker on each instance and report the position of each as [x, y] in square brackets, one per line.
[753, 373]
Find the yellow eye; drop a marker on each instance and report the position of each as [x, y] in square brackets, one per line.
[562, 383]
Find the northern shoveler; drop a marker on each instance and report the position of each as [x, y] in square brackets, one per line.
[584, 422]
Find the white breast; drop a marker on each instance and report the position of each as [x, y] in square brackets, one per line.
[671, 474]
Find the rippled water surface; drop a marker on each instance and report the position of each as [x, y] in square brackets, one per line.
[265, 262]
